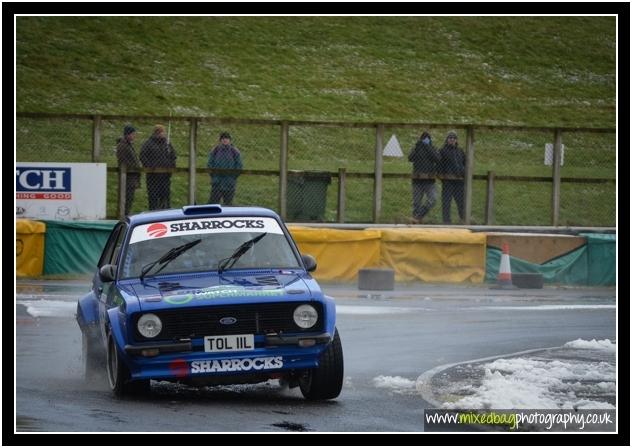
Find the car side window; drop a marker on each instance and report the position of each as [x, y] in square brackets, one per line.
[113, 246]
[117, 246]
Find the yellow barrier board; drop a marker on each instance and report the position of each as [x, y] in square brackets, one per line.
[340, 254]
[434, 255]
[29, 248]
[429, 255]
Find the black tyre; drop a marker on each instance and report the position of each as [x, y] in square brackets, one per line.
[119, 376]
[93, 359]
[325, 382]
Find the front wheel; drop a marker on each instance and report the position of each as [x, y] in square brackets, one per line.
[325, 381]
[119, 376]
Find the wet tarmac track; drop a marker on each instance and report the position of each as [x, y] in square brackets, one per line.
[389, 339]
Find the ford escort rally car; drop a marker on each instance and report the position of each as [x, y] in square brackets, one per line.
[209, 295]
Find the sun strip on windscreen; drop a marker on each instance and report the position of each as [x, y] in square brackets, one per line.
[242, 224]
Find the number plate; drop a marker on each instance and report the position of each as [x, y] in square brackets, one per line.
[229, 343]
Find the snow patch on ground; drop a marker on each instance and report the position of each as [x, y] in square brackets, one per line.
[61, 308]
[396, 384]
[593, 344]
[542, 383]
[350, 309]
[49, 308]
[551, 307]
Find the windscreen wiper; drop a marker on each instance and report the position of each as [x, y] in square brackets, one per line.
[228, 263]
[172, 254]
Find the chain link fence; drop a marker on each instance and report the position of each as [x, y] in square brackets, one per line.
[316, 156]
[332, 172]
[521, 163]
[506, 154]
[588, 157]
[436, 194]
[166, 149]
[258, 147]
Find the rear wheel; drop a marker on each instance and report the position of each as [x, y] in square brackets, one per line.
[325, 381]
[119, 376]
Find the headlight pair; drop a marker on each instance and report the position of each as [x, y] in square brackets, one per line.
[149, 325]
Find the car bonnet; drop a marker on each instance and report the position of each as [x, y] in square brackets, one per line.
[219, 290]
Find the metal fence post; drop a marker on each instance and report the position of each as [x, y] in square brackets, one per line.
[342, 180]
[122, 189]
[283, 170]
[557, 172]
[96, 138]
[192, 159]
[379, 164]
[489, 203]
[469, 168]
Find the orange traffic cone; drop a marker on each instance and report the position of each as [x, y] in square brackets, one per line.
[503, 280]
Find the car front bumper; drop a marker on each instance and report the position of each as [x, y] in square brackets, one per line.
[185, 360]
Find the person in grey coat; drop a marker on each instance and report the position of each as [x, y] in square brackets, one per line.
[424, 158]
[452, 162]
[157, 152]
[126, 155]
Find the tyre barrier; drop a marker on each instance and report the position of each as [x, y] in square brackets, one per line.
[380, 279]
[528, 280]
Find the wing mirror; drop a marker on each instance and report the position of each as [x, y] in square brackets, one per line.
[107, 273]
[309, 262]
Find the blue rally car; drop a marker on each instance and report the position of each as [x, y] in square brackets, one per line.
[209, 295]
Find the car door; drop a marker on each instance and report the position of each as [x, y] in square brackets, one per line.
[103, 290]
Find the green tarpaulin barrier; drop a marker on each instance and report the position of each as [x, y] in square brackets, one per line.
[602, 254]
[74, 247]
[593, 264]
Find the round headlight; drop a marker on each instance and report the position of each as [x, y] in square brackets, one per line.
[149, 325]
[305, 316]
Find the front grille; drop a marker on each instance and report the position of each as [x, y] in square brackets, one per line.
[258, 318]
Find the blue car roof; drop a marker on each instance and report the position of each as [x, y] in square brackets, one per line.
[199, 211]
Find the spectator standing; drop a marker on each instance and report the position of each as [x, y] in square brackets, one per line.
[157, 152]
[126, 155]
[224, 156]
[452, 162]
[424, 158]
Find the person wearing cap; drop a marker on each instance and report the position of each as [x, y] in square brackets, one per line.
[424, 158]
[157, 152]
[224, 156]
[452, 163]
[126, 156]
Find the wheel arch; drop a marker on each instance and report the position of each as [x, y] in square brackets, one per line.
[330, 315]
[87, 311]
[115, 326]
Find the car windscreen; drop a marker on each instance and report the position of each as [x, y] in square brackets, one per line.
[220, 238]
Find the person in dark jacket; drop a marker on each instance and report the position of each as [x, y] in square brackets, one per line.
[126, 155]
[424, 158]
[224, 156]
[452, 162]
[157, 152]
